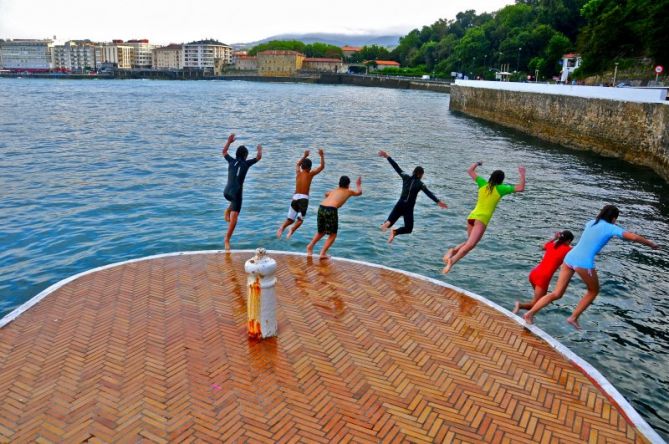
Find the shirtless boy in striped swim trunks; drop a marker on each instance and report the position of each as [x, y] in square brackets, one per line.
[298, 206]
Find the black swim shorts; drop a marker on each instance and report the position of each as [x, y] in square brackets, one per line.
[328, 220]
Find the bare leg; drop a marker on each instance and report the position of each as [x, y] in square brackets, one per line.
[234, 215]
[227, 214]
[451, 251]
[391, 237]
[293, 229]
[539, 292]
[385, 225]
[328, 243]
[310, 247]
[592, 282]
[475, 235]
[563, 282]
[279, 232]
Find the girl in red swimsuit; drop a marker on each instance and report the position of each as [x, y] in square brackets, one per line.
[540, 277]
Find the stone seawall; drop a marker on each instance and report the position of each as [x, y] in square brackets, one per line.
[635, 132]
[384, 82]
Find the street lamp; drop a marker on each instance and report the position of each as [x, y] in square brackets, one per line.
[615, 74]
[518, 60]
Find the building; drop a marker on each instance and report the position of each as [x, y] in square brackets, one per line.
[323, 65]
[570, 63]
[348, 51]
[75, 56]
[142, 55]
[277, 63]
[202, 55]
[27, 55]
[169, 57]
[117, 54]
[381, 64]
[245, 63]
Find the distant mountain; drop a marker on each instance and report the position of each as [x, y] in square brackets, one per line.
[389, 41]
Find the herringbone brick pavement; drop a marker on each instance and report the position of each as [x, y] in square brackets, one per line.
[157, 351]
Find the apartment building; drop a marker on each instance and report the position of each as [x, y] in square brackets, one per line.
[142, 55]
[117, 53]
[75, 56]
[27, 54]
[279, 63]
[169, 57]
[245, 63]
[203, 54]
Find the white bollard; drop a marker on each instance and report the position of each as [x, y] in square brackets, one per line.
[261, 301]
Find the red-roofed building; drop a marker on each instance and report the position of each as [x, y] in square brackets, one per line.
[279, 63]
[322, 64]
[348, 51]
[570, 62]
[380, 64]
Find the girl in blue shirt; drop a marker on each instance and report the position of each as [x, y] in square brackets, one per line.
[581, 260]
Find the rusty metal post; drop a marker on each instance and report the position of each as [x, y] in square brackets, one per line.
[261, 301]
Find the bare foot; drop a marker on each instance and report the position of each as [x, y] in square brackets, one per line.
[385, 226]
[227, 214]
[290, 233]
[448, 266]
[516, 308]
[310, 250]
[279, 232]
[391, 237]
[323, 257]
[574, 323]
[529, 317]
[227, 245]
[448, 256]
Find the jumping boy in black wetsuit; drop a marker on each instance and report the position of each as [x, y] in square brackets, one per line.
[411, 185]
[237, 169]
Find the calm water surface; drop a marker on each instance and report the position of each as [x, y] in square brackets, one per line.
[95, 172]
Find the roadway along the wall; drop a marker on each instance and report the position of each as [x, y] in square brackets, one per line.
[636, 132]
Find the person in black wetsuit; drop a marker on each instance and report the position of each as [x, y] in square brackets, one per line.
[237, 169]
[411, 185]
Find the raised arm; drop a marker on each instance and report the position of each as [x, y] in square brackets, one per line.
[358, 187]
[226, 147]
[392, 162]
[433, 197]
[472, 170]
[258, 152]
[628, 235]
[299, 162]
[521, 185]
[322, 165]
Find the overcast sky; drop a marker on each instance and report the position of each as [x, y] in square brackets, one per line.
[230, 22]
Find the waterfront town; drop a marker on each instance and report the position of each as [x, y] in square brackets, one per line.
[207, 57]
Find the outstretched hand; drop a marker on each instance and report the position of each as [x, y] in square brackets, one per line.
[383, 154]
[442, 205]
[231, 138]
[359, 181]
[306, 154]
[321, 152]
[521, 170]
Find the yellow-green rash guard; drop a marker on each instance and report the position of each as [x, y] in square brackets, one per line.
[487, 201]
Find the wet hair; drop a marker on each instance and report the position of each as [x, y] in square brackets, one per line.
[306, 164]
[564, 238]
[418, 172]
[496, 178]
[344, 181]
[608, 214]
[242, 153]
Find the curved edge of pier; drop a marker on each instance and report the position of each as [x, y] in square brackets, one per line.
[615, 397]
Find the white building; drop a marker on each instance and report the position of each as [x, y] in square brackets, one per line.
[75, 56]
[142, 56]
[169, 57]
[570, 62]
[204, 53]
[117, 53]
[28, 55]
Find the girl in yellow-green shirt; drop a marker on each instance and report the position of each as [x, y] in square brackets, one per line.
[490, 193]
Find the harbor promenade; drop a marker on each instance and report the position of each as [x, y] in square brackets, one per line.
[156, 350]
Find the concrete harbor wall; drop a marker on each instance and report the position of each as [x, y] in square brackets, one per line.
[384, 82]
[634, 131]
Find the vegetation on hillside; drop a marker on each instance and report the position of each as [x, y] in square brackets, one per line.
[309, 50]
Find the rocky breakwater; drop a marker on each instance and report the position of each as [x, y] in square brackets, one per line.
[616, 122]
